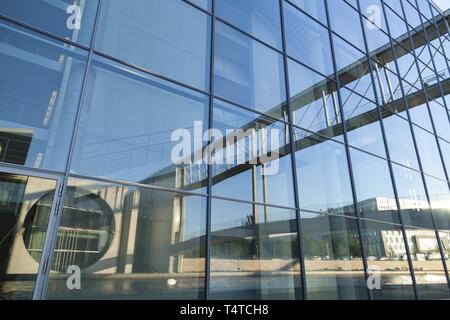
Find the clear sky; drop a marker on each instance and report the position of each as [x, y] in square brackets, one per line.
[443, 4]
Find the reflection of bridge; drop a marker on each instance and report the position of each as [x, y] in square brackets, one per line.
[146, 149]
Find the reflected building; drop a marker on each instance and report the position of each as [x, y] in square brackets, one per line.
[329, 140]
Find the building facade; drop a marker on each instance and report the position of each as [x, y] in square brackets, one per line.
[312, 146]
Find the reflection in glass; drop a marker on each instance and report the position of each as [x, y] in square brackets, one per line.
[25, 208]
[385, 250]
[440, 201]
[362, 123]
[427, 262]
[345, 22]
[399, 140]
[260, 18]
[130, 243]
[248, 72]
[128, 120]
[63, 15]
[314, 101]
[333, 265]
[373, 186]
[308, 41]
[429, 153]
[414, 206]
[171, 39]
[253, 157]
[254, 252]
[40, 86]
[315, 8]
[322, 175]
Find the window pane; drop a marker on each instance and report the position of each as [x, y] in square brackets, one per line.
[170, 39]
[333, 265]
[247, 72]
[254, 252]
[413, 200]
[130, 243]
[260, 18]
[244, 170]
[385, 250]
[315, 8]
[73, 22]
[362, 122]
[322, 175]
[440, 201]
[345, 21]
[25, 206]
[314, 101]
[427, 262]
[399, 140]
[40, 87]
[429, 153]
[128, 121]
[205, 4]
[374, 190]
[308, 41]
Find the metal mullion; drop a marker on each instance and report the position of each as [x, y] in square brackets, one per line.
[209, 165]
[447, 62]
[416, 148]
[52, 234]
[426, 98]
[43, 32]
[380, 115]
[441, 249]
[293, 161]
[347, 150]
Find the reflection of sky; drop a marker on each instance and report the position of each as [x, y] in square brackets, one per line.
[443, 4]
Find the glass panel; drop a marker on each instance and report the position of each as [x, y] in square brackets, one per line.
[247, 72]
[260, 18]
[385, 250]
[314, 101]
[396, 25]
[444, 237]
[362, 123]
[40, 87]
[25, 207]
[413, 200]
[399, 140]
[429, 153]
[427, 262]
[374, 190]
[205, 4]
[253, 257]
[345, 21]
[322, 175]
[440, 201]
[244, 169]
[308, 41]
[73, 20]
[171, 39]
[333, 265]
[418, 111]
[441, 120]
[135, 124]
[130, 243]
[315, 8]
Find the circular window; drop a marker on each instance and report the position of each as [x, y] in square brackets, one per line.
[84, 235]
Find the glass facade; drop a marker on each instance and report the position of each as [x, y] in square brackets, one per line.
[311, 138]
